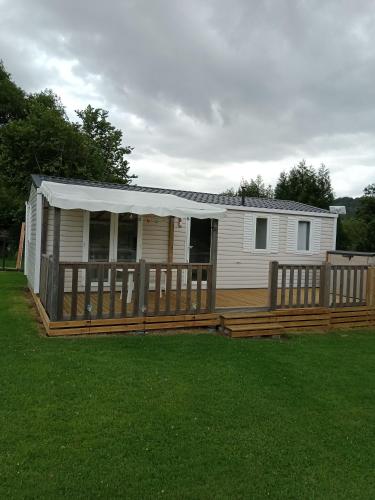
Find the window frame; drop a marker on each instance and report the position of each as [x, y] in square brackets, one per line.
[310, 225]
[268, 234]
[113, 237]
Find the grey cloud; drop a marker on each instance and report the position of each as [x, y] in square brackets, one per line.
[213, 82]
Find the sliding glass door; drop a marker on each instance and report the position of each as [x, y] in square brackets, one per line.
[112, 237]
[127, 237]
[99, 240]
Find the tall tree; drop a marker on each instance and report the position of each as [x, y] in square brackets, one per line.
[366, 214]
[307, 185]
[108, 141]
[36, 136]
[12, 98]
[255, 188]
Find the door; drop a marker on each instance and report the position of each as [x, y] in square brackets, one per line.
[112, 237]
[200, 244]
[200, 240]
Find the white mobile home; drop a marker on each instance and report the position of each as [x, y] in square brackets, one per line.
[117, 227]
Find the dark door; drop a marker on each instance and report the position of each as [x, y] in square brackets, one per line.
[200, 240]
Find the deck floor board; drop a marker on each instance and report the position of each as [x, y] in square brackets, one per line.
[231, 299]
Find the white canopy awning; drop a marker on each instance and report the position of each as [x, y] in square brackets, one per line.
[95, 199]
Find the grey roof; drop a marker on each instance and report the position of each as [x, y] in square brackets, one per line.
[215, 199]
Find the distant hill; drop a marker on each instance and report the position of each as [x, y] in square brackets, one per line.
[351, 204]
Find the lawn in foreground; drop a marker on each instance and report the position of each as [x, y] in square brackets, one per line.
[182, 416]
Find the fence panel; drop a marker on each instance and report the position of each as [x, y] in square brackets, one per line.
[97, 290]
[294, 286]
[177, 289]
[348, 285]
[323, 285]
[104, 290]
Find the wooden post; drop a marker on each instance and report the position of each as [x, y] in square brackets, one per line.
[142, 287]
[20, 247]
[213, 262]
[325, 284]
[170, 239]
[272, 284]
[370, 287]
[55, 263]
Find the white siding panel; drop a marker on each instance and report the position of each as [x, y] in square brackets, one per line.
[316, 232]
[248, 232]
[292, 232]
[71, 234]
[242, 269]
[155, 239]
[179, 243]
[275, 230]
[31, 244]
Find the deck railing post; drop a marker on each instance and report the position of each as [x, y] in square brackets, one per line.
[55, 264]
[370, 287]
[142, 287]
[272, 284]
[213, 262]
[325, 284]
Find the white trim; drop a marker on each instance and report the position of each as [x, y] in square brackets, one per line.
[85, 236]
[309, 250]
[38, 240]
[139, 238]
[268, 239]
[27, 238]
[187, 239]
[334, 234]
[113, 238]
[277, 211]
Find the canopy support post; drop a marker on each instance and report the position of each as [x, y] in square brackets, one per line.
[213, 261]
[55, 262]
[170, 238]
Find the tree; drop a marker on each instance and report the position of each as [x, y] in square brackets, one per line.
[305, 184]
[108, 141]
[255, 188]
[36, 136]
[12, 98]
[366, 215]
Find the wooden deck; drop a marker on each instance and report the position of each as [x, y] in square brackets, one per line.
[246, 298]
[249, 298]
[284, 321]
[235, 324]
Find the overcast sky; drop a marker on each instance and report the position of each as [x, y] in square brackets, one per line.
[210, 91]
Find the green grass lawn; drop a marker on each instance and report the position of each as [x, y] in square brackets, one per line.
[8, 263]
[195, 417]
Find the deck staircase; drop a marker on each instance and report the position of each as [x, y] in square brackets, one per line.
[268, 323]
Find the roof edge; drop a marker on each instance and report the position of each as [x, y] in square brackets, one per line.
[37, 180]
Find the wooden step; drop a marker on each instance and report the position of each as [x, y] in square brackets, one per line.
[252, 327]
[244, 314]
[255, 333]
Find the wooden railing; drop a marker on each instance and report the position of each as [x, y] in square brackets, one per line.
[316, 285]
[348, 285]
[104, 290]
[187, 289]
[45, 281]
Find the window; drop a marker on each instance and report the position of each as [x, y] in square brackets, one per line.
[261, 233]
[303, 241]
[127, 237]
[100, 225]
